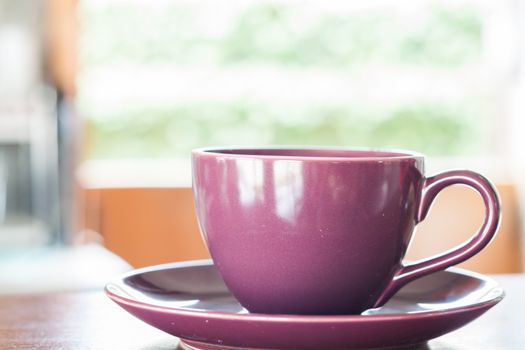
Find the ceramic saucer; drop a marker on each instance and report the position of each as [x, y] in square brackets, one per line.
[190, 301]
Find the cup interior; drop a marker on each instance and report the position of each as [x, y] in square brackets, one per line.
[312, 153]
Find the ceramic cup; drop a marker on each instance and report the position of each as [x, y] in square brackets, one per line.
[319, 230]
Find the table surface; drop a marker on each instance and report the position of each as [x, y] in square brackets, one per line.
[89, 320]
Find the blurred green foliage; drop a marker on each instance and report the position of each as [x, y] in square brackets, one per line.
[272, 34]
[169, 131]
[268, 32]
[264, 33]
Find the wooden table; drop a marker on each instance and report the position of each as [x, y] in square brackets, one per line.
[88, 320]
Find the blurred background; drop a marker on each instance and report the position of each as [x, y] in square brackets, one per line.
[101, 102]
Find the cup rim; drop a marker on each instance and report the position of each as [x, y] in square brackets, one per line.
[381, 154]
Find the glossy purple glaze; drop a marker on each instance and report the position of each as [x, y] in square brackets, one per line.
[189, 300]
[320, 231]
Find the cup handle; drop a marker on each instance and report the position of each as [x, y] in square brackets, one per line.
[431, 187]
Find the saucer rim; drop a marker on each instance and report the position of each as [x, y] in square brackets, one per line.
[262, 317]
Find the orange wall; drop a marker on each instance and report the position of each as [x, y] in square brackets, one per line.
[147, 226]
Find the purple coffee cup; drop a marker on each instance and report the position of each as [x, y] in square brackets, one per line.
[322, 230]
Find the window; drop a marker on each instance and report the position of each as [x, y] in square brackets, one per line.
[158, 79]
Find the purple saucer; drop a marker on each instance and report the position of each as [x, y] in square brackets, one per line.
[190, 301]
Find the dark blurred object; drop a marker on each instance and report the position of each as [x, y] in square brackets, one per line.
[36, 125]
